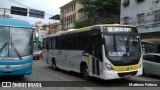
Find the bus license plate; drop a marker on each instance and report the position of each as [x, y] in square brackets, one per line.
[128, 76]
[7, 71]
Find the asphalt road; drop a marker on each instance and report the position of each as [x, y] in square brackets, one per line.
[74, 81]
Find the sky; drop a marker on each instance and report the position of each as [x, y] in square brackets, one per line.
[49, 6]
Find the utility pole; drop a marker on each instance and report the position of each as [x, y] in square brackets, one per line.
[4, 13]
[49, 28]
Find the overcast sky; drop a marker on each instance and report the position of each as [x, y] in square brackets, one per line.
[49, 6]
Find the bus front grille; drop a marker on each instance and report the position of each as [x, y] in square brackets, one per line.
[127, 74]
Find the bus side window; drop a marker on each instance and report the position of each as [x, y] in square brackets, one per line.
[63, 42]
[96, 45]
[58, 42]
[157, 58]
[67, 42]
[84, 42]
[44, 44]
[47, 44]
[53, 43]
[81, 43]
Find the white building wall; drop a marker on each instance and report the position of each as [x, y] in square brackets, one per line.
[147, 7]
[42, 33]
[80, 16]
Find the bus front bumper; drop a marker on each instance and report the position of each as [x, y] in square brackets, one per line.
[107, 75]
[12, 70]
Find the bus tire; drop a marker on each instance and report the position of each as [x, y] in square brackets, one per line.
[85, 72]
[20, 76]
[143, 73]
[54, 65]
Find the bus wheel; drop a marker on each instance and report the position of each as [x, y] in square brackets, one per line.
[143, 73]
[54, 65]
[85, 72]
[20, 76]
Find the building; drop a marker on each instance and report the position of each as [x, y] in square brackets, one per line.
[145, 14]
[69, 14]
[17, 10]
[54, 27]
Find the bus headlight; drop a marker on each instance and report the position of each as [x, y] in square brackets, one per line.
[108, 66]
[27, 64]
[140, 65]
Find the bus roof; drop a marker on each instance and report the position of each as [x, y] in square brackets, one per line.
[14, 23]
[118, 25]
[85, 29]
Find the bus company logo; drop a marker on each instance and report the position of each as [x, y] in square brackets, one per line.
[7, 66]
[6, 84]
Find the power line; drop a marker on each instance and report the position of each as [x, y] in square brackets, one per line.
[18, 3]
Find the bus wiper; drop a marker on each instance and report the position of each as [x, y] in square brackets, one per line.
[15, 49]
[3, 46]
[114, 43]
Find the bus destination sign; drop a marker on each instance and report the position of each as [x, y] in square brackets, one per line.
[117, 29]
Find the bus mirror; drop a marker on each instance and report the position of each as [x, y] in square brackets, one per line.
[36, 36]
[85, 54]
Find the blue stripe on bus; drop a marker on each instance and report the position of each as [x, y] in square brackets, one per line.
[17, 71]
[15, 62]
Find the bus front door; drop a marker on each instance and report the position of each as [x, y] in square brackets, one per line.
[96, 54]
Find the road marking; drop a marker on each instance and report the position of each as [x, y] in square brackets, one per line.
[87, 88]
[59, 76]
[65, 79]
[56, 75]
[138, 79]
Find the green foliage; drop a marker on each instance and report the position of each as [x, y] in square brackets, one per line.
[81, 24]
[101, 10]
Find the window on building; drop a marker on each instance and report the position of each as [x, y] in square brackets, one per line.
[68, 20]
[71, 19]
[157, 16]
[139, 1]
[125, 3]
[18, 11]
[126, 20]
[66, 9]
[140, 18]
[74, 7]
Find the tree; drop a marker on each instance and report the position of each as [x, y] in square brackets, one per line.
[101, 11]
[82, 23]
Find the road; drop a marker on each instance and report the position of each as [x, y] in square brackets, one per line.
[44, 72]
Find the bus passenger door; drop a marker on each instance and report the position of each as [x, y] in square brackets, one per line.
[95, 44]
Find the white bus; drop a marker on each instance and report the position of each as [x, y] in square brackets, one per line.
[108, 51]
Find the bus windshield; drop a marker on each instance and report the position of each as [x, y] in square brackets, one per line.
[15, 42]
[122, 47]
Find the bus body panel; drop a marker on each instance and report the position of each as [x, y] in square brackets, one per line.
[16, 67]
